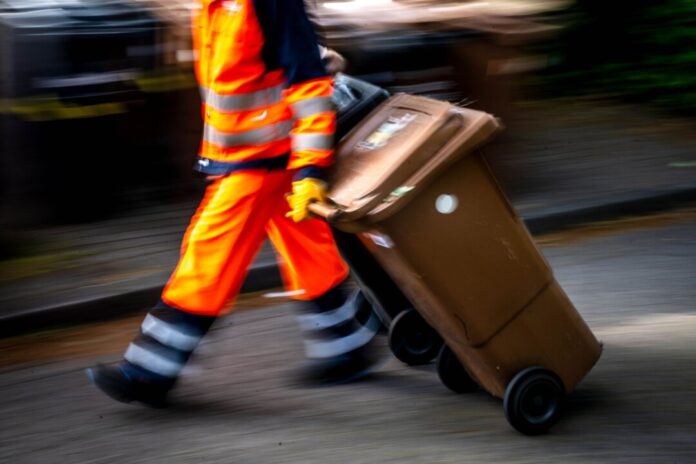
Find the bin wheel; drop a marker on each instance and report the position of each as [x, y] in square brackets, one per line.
[534, 400]
[452, 373]
[412, 340]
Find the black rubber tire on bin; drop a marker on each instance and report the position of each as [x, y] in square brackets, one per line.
[534, 400]
[452, 373]
[412, 340]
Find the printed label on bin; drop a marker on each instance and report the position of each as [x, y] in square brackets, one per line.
[385, 132]
[380, 239]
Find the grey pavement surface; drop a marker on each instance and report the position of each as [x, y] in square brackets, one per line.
[236, 403]
[562, 164]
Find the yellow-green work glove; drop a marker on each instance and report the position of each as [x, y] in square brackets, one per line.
[304, 192]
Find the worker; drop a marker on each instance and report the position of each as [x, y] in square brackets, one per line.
[268, 133]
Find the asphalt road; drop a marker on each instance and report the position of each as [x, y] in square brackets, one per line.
[633, 282]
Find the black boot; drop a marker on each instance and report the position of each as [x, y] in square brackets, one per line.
[340, 338]
[155, 358]
[120, 383]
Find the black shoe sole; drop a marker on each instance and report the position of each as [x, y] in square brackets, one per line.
[115, 390]
[109, 388]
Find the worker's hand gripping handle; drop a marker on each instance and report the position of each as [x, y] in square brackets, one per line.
[323, 210]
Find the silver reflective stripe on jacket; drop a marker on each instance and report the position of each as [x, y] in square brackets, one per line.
[321, 321]
[265, 134]
[315, 349]
[169, 334]
[152, 361]
[311, 106]
[242, 101]
[312, 141]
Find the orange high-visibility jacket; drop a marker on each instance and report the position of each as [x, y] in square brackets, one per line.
[266, 96]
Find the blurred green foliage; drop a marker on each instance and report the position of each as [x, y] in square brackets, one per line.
[641, 51]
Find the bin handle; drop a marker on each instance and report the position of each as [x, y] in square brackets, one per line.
[326, 211]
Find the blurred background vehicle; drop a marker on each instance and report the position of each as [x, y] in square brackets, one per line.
[91, 98]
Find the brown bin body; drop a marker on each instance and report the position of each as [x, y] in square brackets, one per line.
[410, 181]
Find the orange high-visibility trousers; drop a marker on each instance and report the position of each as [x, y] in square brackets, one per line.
[237, 212]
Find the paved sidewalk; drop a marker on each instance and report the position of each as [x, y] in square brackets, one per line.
[562, 164]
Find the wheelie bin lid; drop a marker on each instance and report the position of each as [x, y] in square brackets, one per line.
[396, 151]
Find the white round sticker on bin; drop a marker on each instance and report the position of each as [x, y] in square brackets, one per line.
[446, 204]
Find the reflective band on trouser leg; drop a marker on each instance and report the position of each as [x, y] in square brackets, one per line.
[242, 101]
[337, 323]
[312, 141]
[327, 345]
[265, 134]
[168, 334]
[320, 321]
[154, 360]
[167, 338]
[312, 106]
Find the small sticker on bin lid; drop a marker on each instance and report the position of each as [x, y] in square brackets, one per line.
[380, 239]
[399, 192]
[385, 132]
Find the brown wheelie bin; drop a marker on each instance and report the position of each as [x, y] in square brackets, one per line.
[411, 183]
